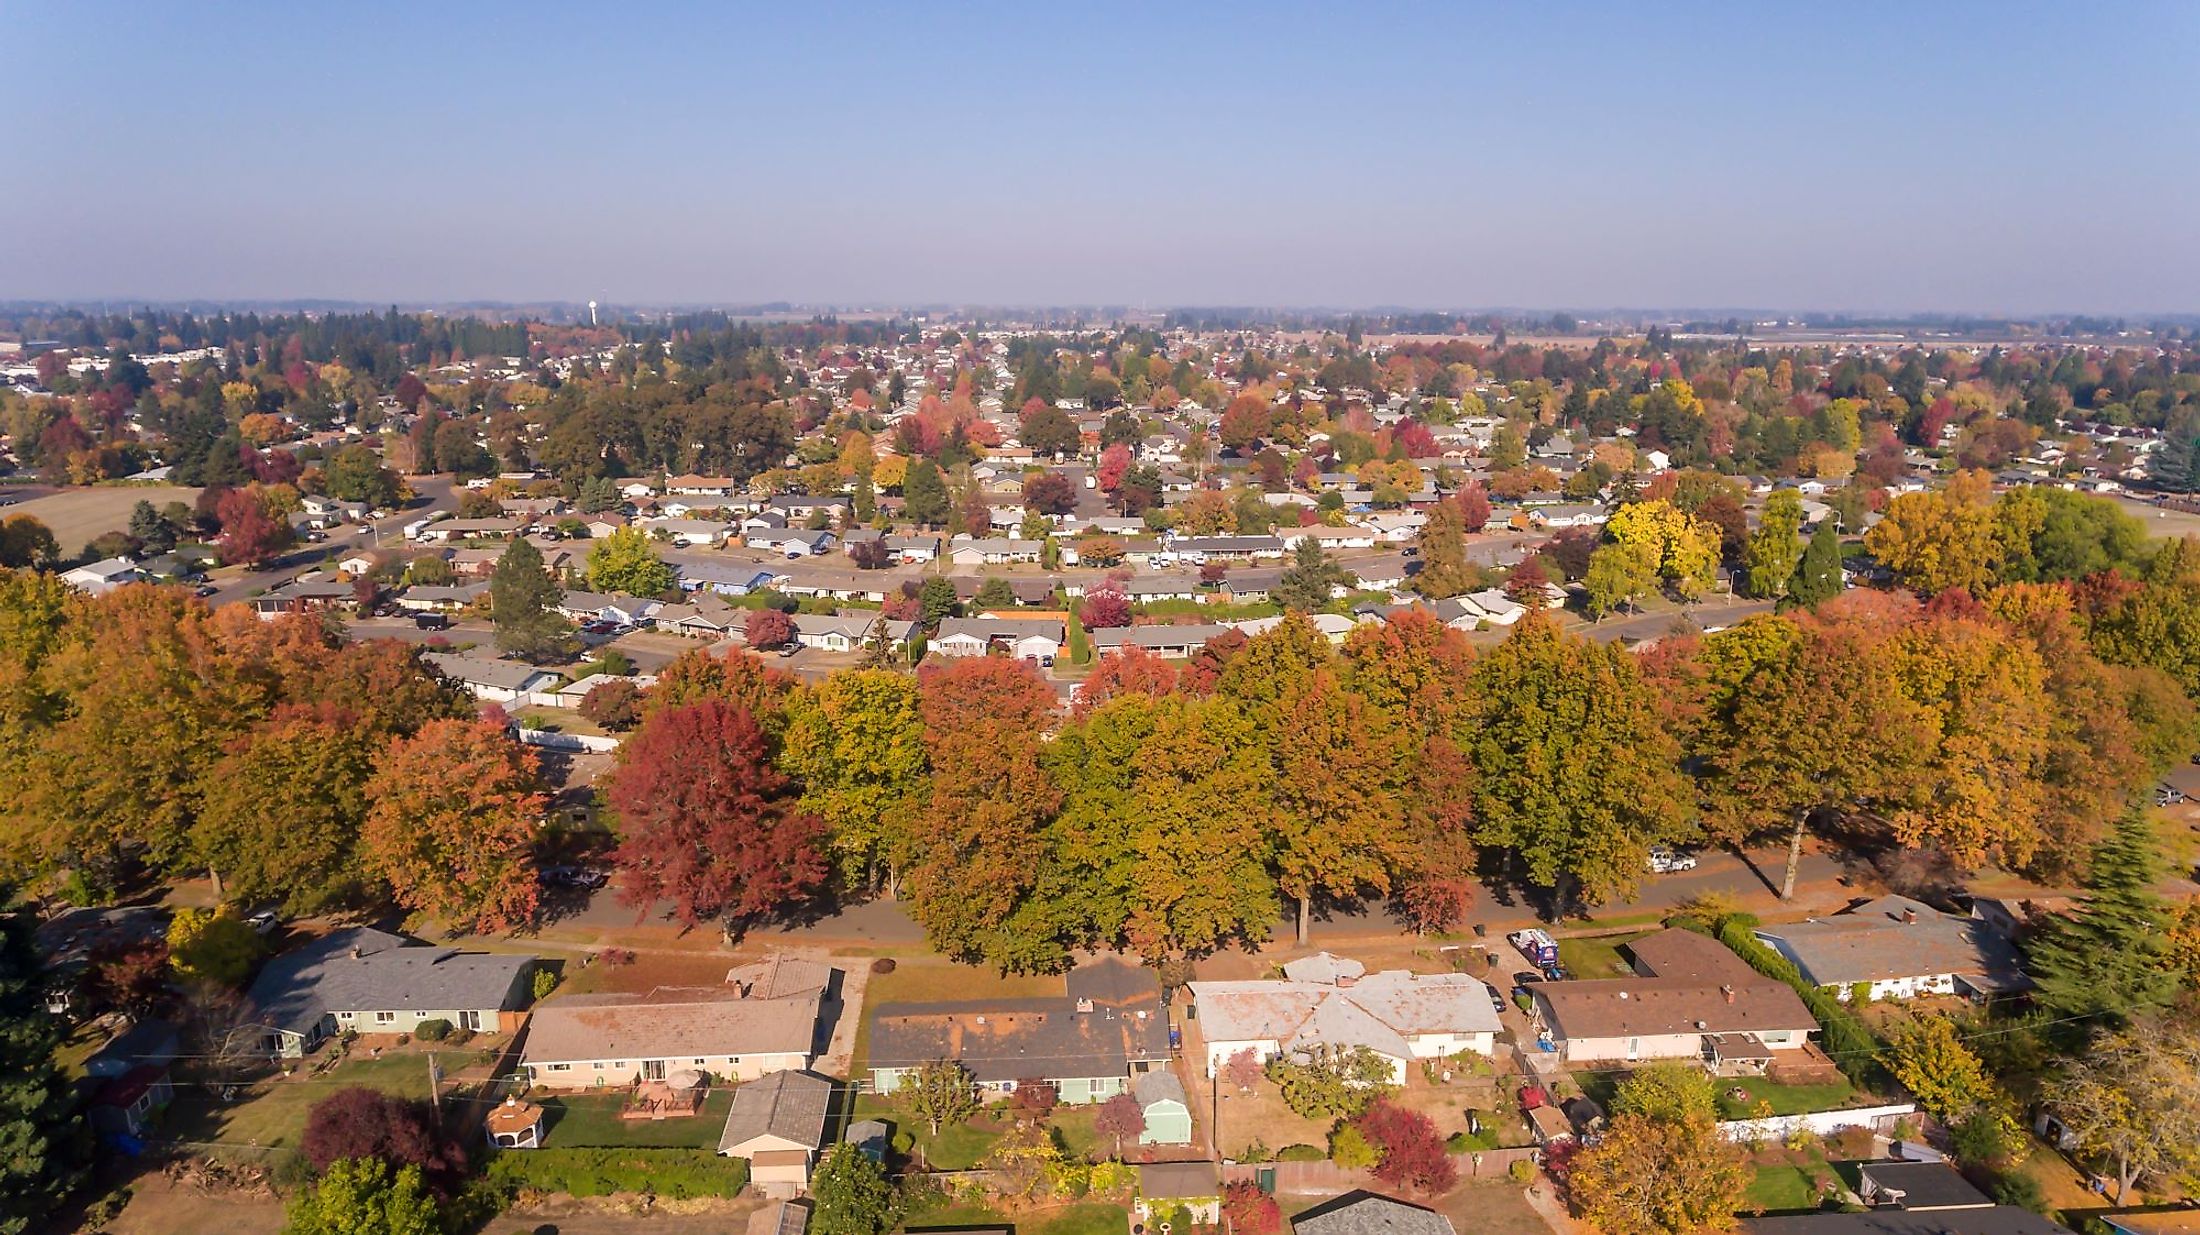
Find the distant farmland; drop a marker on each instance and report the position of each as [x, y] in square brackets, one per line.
[80, 516]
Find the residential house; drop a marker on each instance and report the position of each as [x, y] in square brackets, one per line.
[777, 1125]
[911, 550]
[604, 523]
[706, 533]
[868, 585]
[1387, 573]
[1918, 1187]
[500, 681]
[100, 578]
[1694, 999]
[799, 506]
[793, 543]
[692, 485]
[1160, 640]
[1899, 948]
[423, 598]
[475, 529]
[1168, 1112]
[302, 596]
[1330, 538]
[850, 630]
[1227, 548]
[66, 942]
[1365, 1213]
[1165, 1187]
[375, 982]
[728, 580]
[708, 616]
[571, 694]
[582, 606]
[1023, 638]
[615, 1040]
[994, 551]
[1143, 589]
[1994, 1220]
[1334, 1004]
[1106, 1028]
[128, 1079]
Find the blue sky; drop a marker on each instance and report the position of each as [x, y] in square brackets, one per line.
[1871, 157]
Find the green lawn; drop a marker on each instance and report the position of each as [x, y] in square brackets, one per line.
[1596, 956]
[588, 1121]
[1078, 1135]
[273, 1112]
[958, 1147]
[1780, 1188]
[1785, 1099]
[1089, 1218]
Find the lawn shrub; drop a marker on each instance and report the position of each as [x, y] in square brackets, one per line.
[679, 1174]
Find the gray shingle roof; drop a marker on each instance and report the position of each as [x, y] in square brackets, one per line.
[790, 1105]
[1873, 942]
[1366, 1214]
[295, 990]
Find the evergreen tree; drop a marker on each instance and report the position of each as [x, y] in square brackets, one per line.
[1818, 579]
[40, 1140]
[924, 493]
[1307, 585]
[2109, 959]
[2176, 466]
[520, 595]
[1443, 543]
[150, 530]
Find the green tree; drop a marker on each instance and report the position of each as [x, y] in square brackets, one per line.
[1775, 547]
[1312, 576]
[1683, 548]
[356, 474]
[924, 494]
[1619, 575]
[521, 594]
[1818, 578]
[150, 530]
[625, 563]
[1578, 766]
[1443, 541]
[1660, 1177]
[941, 1093]
[936, 599]
[856, 743]
[2133, 1099]
[2109, 959]
[1668, 1091]
[363, 1196]
[851, 1194]
[42, 1136]
[1202, 822]
[213, 945]
[1341, 768]
[2176, 466]
[1928, 1056]
[281, 814]
[994, 593]
[1507, 449]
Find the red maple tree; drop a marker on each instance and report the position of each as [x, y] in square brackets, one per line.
[706, 822]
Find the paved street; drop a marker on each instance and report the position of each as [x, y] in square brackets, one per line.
[432, 493]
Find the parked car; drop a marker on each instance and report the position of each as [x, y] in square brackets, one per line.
[1536, 945]
[569, 876]
[1665, 861]
[264, 922]
[789, 649]
[2168, 795]
[432, 621]
[1497, 1002]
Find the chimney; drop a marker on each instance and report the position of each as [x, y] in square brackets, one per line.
[355, 953]
[1727, 991]
[1909, 915]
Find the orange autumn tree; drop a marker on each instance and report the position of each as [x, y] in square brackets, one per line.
[453, 822]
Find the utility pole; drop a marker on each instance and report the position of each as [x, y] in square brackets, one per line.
[435, 1091]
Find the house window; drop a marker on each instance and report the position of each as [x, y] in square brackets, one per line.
[561, 1067]
[598, 1065]
[384, 1018]
[700, 1062]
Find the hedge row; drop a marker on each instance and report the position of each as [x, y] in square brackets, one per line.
[678, 1174]
[1851, 1043]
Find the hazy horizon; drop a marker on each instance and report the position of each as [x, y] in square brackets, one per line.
[1870, 160]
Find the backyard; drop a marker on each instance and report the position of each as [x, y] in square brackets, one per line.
[1088, 1218]
[1781, 1099]
[591, 1120]
[272, 1113]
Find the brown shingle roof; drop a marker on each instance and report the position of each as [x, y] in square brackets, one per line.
[666, 1023]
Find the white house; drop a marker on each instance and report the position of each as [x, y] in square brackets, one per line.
[1328, 1002]
[500, 681]
[1898, 948]
[1038, 639]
